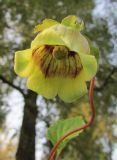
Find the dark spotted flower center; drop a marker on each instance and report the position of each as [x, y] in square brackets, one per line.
[57, 61]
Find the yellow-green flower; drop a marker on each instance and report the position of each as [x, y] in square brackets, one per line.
[59, 60]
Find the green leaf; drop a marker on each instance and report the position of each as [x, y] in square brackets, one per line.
[56, 131]
[45, 24]
[73, 22]
[95, 51]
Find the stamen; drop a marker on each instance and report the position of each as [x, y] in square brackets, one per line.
[48, 67]
[72, 66]
[57, 61]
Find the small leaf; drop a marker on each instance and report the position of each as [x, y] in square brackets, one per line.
[56, 131]
[45, 24]
[74, 22]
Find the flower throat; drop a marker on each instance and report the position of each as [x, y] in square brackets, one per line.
[57, 61]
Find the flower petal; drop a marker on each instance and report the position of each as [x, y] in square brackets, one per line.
[69, 20]
[73, 39]
[73, 21]
[46, 87]
[45, 24]
[23, 62]
[89, 66]
[48, 37]
[72, 88]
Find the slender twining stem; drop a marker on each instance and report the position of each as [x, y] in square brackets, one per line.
[88, 124]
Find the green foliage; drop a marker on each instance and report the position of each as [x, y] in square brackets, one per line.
[56, 131]
[25, 15]
[95, 51]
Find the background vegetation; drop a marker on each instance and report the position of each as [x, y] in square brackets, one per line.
[17, 20]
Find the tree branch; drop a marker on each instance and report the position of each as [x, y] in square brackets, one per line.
[107, 79]
[4, 80]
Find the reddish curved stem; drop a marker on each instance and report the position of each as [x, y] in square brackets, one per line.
[89, 123]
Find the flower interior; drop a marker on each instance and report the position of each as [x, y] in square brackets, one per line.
[57, 61]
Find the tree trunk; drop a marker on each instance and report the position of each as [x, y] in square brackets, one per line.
[26, 147]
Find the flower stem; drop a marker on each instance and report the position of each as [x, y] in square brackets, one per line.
[88, 124]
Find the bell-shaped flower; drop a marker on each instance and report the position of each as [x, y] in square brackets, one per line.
[59, 61]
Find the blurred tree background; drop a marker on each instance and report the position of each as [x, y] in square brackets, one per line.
[17, 21]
